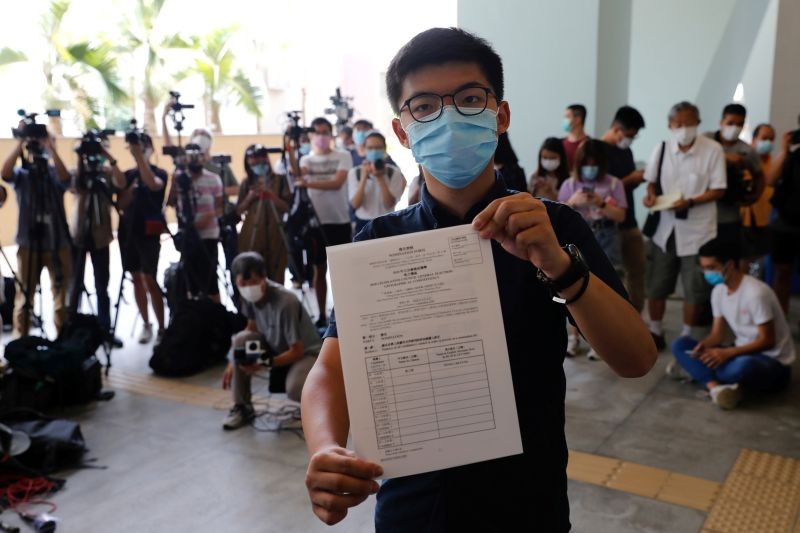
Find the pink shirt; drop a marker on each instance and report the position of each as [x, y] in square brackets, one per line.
[206, 190]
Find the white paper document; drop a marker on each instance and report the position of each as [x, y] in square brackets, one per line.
[423, 351]
[665, 201]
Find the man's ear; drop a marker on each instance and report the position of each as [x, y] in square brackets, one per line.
[400, 133]
[503, 117]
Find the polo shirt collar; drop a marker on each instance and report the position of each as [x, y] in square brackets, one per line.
[443, 218]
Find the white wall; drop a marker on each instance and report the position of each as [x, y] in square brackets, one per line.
[548, 50]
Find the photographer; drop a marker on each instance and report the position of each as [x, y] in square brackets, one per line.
[204, 193]
[93, 183]
[374, 187]
[263, 199]
[288, 341]
[42, 233]
[786, 226]
[140, 230]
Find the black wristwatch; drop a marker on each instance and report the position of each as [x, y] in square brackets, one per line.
[578, 269]
[692, 203]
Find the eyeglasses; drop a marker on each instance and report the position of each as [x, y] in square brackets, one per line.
[427, 107]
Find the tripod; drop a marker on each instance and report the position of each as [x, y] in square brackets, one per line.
[46, 227]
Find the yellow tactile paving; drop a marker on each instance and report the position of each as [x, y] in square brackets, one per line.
[760, 495]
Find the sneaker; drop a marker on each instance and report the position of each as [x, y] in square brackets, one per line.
[675, 371]
[660, 341]
[592, 355]
[239, 416]
[147, 334]
[573, 346]
[726, 396]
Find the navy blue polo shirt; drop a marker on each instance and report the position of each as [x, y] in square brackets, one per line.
[526, 492]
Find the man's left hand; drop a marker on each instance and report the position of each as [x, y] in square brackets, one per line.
[520, 224]
[681, 204]
[714, 357]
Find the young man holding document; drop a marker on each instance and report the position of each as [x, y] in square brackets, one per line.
[446, 88]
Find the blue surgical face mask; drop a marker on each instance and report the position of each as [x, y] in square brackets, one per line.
[305, 148]
[359, 137]
[375, 155]
[260, 169]
[565, 124]
[454, 148]
[763, 147]
[589, 172]
[714, 277]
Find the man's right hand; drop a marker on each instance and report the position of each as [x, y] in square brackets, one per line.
[649, 200]
[337, 480]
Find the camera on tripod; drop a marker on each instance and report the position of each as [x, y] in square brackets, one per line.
[91, 143]
[133, 135]
[30, 130]
[221, 159]
[341, 109]
[295, 130]
[175, 103]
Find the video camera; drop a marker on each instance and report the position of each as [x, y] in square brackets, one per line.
[175, 104]
[295, 130]
[134, 134]
[30, 129]
[91, 143]
[341, 109]
[252, 352]
[221, 159]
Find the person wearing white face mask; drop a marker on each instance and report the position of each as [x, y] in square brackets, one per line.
[139, 233]
[744, 174]
[552, 170]
[691, 168]
[280, 324]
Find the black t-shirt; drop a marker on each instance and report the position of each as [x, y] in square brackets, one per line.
[620, 164]
[147, 204]
[526, 492]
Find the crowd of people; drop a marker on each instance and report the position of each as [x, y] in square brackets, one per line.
[720, 210]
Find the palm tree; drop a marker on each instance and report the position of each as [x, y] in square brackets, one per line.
[148, 40]
[75, 73]
[216, 65]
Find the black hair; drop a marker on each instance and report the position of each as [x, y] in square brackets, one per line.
[321, 121]
[248, 263]
[438, 46]
[722, 250]
[363, 122]
[554, 144]
[760, 126]
[146, 140]
[734, 109]
[629, 118]
[376, 134]
[347, 130]
[595, 150]
[249, 152]
[504, 154]
[578, 110]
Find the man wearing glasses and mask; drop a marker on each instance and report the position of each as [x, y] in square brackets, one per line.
[446, 88]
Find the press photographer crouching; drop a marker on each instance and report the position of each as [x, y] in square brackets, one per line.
[198, 195]
[140, 228]
[94, 181]
[42, 233]
[279, 335]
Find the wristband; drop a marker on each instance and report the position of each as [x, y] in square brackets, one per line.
[584, 286]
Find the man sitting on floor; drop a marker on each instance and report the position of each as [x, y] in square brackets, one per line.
[281, 326]
[761, 357]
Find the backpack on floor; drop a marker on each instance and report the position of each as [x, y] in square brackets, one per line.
[198, 336]
[56, 444]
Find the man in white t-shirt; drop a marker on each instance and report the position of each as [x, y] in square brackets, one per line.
[324, 173]
[692, 170]
[375, 186]
[763, 352]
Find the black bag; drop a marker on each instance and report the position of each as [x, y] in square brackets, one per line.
[64, 367]
[652, 220]
[84, 331]
[7, 307]
[786, 199]
[198, 336]
[55, 444]
[175, 286]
